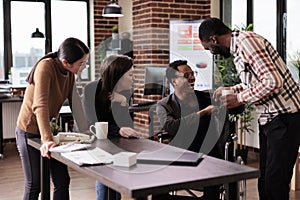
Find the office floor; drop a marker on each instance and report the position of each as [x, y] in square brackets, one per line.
[12, 179]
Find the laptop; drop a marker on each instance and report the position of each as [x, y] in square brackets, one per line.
[184, 158]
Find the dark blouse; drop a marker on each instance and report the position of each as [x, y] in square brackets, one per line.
[114, 113]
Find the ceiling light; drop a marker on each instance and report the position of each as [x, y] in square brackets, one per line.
[37, 34]
[112, 10]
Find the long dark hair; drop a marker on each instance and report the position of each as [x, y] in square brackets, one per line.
[71, 49]
[112, 69]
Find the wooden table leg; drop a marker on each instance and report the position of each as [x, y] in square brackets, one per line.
[45, 178]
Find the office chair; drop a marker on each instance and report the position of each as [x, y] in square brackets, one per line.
[88, 101]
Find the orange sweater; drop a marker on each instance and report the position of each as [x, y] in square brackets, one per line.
[52, 85]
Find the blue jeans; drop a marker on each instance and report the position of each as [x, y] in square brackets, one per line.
[30, 158]
[102, 192]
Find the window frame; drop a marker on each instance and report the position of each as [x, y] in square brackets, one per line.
[225, 11]
[8, 59]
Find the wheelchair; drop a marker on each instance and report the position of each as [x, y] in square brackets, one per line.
[231, 191]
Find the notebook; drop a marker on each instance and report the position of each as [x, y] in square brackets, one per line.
[186, 158]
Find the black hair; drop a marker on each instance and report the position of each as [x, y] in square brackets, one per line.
[212, 26]
[71, 49]
[173, 67]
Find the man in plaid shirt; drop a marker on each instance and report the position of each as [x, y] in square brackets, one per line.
[268, 84]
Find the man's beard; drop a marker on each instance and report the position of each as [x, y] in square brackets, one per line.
[217, 50]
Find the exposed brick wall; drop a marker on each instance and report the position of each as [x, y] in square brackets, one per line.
[102, 27]
[150, 36]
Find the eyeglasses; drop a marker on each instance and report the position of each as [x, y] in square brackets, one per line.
[188, 74]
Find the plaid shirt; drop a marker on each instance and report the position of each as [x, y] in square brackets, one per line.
[266, 80]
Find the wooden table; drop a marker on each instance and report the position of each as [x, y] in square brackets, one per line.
[141, 180]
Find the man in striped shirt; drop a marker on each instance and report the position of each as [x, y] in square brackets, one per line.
[268, 84]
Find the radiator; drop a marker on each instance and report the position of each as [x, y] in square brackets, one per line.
[10, 112]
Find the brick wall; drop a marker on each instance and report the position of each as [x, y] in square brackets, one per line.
[150, 36]
[102, 27]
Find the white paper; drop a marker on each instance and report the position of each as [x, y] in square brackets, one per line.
[89, 157]
[69, 147]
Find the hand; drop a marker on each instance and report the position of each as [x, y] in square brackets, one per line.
[130, 132]
[230, 101]
[116, 97]
[44, 149]
[207, 111]
[218, 93]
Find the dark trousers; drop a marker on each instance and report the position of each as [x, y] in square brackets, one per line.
[30, 158]
[279, 143]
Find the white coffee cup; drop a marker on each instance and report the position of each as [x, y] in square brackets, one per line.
[100, 129]
[226, 92]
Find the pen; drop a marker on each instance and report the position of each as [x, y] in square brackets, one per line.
[68, 145]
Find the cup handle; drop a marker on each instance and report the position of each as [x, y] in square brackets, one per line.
[91, 129]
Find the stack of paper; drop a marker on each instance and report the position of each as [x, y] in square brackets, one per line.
[89, 157]
[69, 147]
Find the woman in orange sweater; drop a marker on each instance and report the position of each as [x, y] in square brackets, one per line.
[51, 82]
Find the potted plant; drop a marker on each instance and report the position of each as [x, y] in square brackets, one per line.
[294, 62]
[115, 32]
[226, 75]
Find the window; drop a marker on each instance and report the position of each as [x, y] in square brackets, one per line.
[23, 51]
[264, 22]
[1, 43]
[26, 50]
[69, 23]
[292, 36]
[268, 18]
[239, 13]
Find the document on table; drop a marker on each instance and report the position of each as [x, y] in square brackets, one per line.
[89, 157]
[69, 147]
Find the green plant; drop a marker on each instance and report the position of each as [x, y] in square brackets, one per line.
[243, 27]
[115, 29]
[54, 127]
[294, 59]
[226, 75]
[102, 50]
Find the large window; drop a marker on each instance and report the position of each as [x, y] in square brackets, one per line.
[69, 23]
[268, 18]
[66, 19]
[292, 37]
[26, 50]
[239, 13]
[278, 23]
[1, 43]
[264, 20]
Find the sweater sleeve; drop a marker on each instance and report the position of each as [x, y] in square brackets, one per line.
[40, 107]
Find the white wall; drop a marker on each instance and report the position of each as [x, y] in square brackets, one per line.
[215, 8]
[125, 22]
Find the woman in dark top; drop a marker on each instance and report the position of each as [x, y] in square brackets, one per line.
[112, 100]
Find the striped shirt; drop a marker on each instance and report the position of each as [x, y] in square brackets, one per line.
[266, 80]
